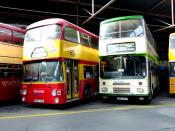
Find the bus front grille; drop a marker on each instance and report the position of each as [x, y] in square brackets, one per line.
[121, 90]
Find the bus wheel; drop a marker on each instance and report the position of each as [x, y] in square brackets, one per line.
[86, 94]
[91, 93]
[152, 92]
[147, 100]
[157, 90]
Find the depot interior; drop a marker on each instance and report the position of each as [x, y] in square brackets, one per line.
[158, 14]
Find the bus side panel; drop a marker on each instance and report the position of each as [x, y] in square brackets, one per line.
[9, 88]
[171, 58]
[10, 54]
[90, 83]
[77, 51]
[171, 54]
[172, 85]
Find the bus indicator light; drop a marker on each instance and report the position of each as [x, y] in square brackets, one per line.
[23, 92]
[140, 83]
[104, 83]
[59, 93]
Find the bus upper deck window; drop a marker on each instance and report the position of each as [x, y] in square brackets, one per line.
[5, 35]
[51, 32]
[70, 34]
[172, 42]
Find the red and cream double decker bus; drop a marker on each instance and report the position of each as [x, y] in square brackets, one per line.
[11, 45]
[60, 63]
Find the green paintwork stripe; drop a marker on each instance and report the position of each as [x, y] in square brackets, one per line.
[122, 18]
[155, 59]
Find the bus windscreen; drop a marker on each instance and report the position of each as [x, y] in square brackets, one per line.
[122, 29]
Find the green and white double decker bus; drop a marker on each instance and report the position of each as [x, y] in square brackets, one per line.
[128, 59]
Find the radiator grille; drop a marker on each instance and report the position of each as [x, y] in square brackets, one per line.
[121, 90]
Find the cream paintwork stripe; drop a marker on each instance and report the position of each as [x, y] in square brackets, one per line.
[85, 111]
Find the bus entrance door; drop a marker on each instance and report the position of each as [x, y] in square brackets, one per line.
[72, 79]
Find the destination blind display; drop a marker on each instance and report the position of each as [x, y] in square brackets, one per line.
[121, 47]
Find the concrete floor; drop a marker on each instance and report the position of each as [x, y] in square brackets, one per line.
[159, 115]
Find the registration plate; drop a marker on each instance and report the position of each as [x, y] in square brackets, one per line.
[122, 98]
[38, 101]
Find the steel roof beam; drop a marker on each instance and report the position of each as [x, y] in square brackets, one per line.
[86, 4]
[92, 6]
[172, 11]
[112, 8]
[100, 10]
[156, 6]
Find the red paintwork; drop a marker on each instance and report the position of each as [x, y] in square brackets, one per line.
[47, 88]
[35, 91]
[66, 23]
[9, 88]
[17, 40]
[12, 28]
[12, 38]
[46, 59]
[63, 23]
[5, 38]
[44, 91]
[92, 82]
[87, 62]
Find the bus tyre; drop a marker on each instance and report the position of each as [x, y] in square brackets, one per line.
[86, 94]
[157, 90]
[91, 93]
[151, 95]
[147, 100]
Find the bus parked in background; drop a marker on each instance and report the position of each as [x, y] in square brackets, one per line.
[60, 63]
[171, 58]
[128, 59]
[11, 45]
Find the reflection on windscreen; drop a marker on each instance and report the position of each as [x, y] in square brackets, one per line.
[43, 71]
[43, 33]
[120, 29]
[172, 42]
[124, 67]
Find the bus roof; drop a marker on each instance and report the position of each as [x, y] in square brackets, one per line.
[10, 27]
[58, 21]
[122, 18]
[172, 34]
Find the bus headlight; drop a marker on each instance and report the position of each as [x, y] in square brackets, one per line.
[104, 89]
[54, 92]
[140, 90]
[23, 92]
